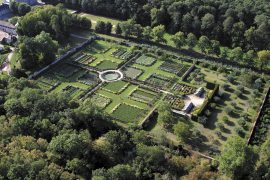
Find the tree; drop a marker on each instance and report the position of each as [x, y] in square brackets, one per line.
[264, 58]
[179, 39]
[37, 51]
[182, 131]
[100, 27]
[236, 54]
[118, 29]
[204, 44]
[147, 33]
[158, 33]
[208, 23]
[263, 168]
[237, 159]
[215, 47]
[191, 40]
[165, 116]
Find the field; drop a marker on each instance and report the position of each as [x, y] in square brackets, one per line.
[126, 112]
[149, 81]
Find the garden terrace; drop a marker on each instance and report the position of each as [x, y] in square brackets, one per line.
[158, 81]
[127, 113]
[100, 101]
[107, 65]
[175, 68]
[145, 96]
[132, 73]
[145, 60]
[116, 87]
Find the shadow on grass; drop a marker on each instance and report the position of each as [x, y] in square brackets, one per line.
[225, 130]
[212, 119]
[243, 97]
[230, 123]
[229, 89]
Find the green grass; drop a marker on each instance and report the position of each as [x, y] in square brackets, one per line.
[95, 18]
[100, 101]
[106, 65]
[132, 73]
[127, 113]
[116, 87]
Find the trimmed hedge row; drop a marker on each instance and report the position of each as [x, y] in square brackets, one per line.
[208, 99]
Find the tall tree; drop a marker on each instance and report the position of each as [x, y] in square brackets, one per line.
[237, 159]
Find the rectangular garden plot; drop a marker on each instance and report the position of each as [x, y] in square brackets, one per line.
[106, 65]
[65, 70]
[100, 101]
[116, 87]
[132, 73]
[127, 114]
[183, 89]
[158, 81]
[89, 78]
[145, 60]
[145, 96]
[175, 68]
[72, 91]
[177, 103]
[85, 59]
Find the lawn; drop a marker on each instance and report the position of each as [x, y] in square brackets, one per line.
[116, 87]
[127, 113]
[107, 65]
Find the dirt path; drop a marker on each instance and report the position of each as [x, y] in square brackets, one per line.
[6, 65]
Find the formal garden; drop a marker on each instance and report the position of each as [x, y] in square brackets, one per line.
[223, 109]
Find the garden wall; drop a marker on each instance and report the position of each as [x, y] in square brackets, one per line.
[260, 113]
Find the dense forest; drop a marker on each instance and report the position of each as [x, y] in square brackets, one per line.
[235, 23]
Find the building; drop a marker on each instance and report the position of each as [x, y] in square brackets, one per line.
[4, 11]
[5, 37]
[8, 28]
[188, 108]
[30, 2]
[199, 92]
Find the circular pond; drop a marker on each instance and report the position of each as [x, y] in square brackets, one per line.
[111, 75]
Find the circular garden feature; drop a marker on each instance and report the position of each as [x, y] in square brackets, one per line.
[111, 75]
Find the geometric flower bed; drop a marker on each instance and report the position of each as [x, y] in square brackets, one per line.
[89, 78]
[132, 73]
[116, 87]
[144, 96]
[127, 113]
[85, 59]
[176, 102]
[158, 81]
[106, 65]
[100, 101]
[183, 89]
[118, 53]
[145, 60]
[171, 67]
[174, 68]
